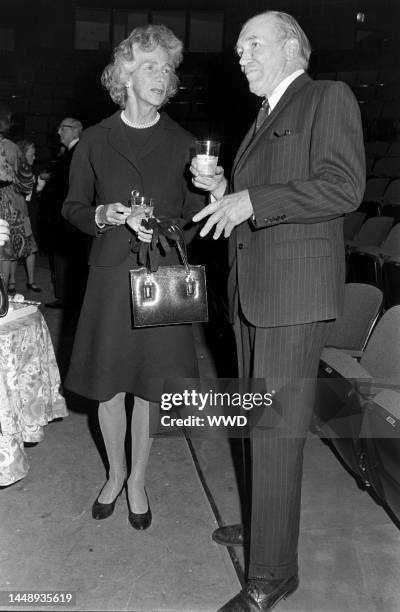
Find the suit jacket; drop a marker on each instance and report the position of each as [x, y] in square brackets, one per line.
[105, 169]
[55, 228]
[304, 169]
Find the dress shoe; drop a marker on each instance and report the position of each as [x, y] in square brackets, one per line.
[261, 596]
[142, 520]
[34, 287]
[230, 535]
[102, 511]
[55, 304]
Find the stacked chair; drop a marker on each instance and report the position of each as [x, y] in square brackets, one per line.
[352, 223]
[387, 167]
[391, 200]
[375, 188]
[365, 263]
[372, 233]
[357, 408]
[391, 281]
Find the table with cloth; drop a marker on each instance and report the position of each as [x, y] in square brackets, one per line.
[29, 391]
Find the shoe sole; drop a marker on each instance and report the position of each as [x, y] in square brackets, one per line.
[285, 595]
[221, 542]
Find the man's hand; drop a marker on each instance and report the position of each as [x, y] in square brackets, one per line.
[114, 214]
[214, 184]
[4, 232]
[225, 214]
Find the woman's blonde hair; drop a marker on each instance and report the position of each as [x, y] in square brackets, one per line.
[147, 38]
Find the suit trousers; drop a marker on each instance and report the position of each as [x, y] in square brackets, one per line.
[287, 359]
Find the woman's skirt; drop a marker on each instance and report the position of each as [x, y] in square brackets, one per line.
[14, 210]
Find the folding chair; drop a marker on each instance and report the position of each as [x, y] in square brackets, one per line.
[391, 283]
[376, 147]
[392, 210]
[362, 306]
[365, 263]
[387, 166]
[372, 232]
[394, 149]
[371, 209]
[380, 439]
[346, 387]
[375, 188]
[352, 223]
[391, 194]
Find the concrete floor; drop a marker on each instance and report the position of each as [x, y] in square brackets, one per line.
[349, 548]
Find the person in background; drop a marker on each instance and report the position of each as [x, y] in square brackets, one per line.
[67, 249]
[16, 181]
[300, 168]
[136, 149]
[28, 151]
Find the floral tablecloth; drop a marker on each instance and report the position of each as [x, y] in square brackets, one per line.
[29, 391]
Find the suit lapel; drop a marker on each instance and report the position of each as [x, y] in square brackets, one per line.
[250, 141]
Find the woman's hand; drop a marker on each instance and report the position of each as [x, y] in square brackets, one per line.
[114, 214]
[4, 232]
[40, 184]
[135, 223]
[214, 184]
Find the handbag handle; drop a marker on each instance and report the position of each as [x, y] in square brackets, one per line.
[181, 245]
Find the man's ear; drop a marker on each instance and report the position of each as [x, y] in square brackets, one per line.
[292, 49]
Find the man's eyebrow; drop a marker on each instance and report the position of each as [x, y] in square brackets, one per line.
[247, 38]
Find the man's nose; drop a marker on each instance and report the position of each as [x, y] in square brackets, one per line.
[245, 57]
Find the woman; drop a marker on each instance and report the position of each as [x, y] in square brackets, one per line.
[28, 151]
[16, 181]
[144, 150]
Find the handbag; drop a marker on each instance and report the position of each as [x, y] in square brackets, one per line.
[170, 295]
[3, 299]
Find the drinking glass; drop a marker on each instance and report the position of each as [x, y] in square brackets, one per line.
[142, 204]
[207, 152]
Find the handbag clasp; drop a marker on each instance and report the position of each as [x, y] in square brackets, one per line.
[148, 289]
[190, 285]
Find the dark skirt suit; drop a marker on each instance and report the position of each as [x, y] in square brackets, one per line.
[110, 355]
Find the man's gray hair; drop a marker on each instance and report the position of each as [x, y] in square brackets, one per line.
[73, 123]
[290, 28]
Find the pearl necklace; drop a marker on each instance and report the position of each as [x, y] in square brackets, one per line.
[138, 125]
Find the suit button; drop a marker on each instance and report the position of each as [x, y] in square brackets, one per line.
[240, 245]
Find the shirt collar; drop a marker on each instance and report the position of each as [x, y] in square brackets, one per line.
[72, 143]
[278, 92]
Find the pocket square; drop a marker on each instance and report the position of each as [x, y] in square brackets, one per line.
[284, 133]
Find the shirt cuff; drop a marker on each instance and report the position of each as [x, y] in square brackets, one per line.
[99, 224]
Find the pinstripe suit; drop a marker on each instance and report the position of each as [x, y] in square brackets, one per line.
[303, 169]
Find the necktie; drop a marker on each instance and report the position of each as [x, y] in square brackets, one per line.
[262, 114]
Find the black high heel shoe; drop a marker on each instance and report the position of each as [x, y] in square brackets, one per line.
[102, 511]
[34, 287]
[140, 521]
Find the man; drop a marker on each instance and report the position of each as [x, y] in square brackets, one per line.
[297, 171]
[64, 249]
